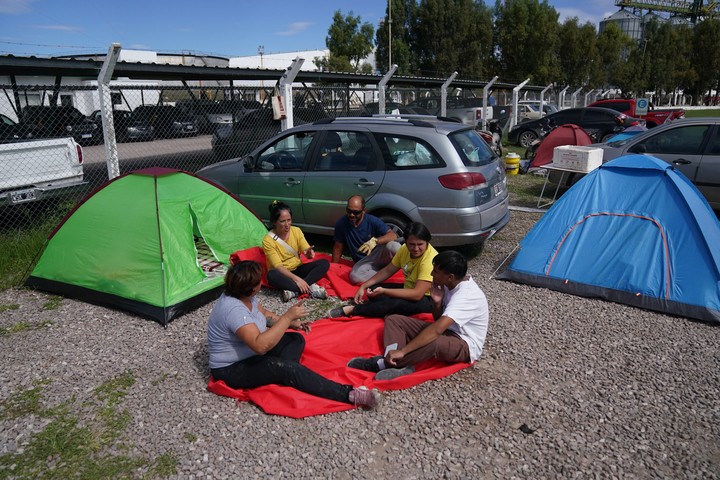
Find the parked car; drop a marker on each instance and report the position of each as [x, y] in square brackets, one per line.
[653, 117]
[12, 131]
[466, 110]
[528, 112]
[238, 108]
[409, 170]
[62, 121]
[166, 120]
[250, 130]
[207, 114]
[128, 128]
[599, 123]
[547, 108]
[692, 145]
[390, 107]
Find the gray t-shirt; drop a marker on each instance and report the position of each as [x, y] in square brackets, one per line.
[229, 314]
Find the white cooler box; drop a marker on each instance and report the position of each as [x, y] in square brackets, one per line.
[574, 157]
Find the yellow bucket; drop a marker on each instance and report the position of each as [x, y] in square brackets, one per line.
[512, 163]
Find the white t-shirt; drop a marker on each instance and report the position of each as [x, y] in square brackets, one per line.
[467, 305]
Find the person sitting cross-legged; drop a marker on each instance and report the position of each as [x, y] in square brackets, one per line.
[457, 335]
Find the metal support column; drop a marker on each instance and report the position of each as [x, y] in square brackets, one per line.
[486, 90]
[542, 99]
[516, 94]
[443, 94]
[573, 97]
[286, 92]
[561, 98]
[106, 110]
[381, 88]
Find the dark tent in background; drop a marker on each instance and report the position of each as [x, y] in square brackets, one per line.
[563, 135]
[633, 231]
[155, 242]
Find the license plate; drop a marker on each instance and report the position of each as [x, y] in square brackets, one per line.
[497, 189]
[86, 135]
[22, 196]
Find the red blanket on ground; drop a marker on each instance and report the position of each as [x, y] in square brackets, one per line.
[329, 346]
[337, 282]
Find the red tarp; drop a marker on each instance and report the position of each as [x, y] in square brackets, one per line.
[329, 346]
[337, 283]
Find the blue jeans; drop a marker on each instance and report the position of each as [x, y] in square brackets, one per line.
[281, 366]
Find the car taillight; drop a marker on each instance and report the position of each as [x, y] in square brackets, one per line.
[478, 114]
[80, 155]
[462, 181]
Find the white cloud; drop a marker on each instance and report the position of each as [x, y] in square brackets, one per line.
[295, 28]
[15, 6]
[58, 28]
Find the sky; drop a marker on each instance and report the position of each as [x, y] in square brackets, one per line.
[227, 28]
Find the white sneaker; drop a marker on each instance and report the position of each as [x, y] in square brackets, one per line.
[316, 291]
[288, 295]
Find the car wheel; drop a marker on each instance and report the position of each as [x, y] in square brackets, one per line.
[397, 223]
[526, 138]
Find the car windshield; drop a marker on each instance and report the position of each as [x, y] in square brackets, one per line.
[472, 149]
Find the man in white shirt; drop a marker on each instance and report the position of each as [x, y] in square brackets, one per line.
[461, 314]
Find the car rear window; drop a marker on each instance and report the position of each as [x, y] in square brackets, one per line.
[408, 152]
[471, 148]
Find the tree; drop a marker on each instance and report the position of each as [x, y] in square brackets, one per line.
[404, 18]
[706, 56]
[578, 52]
[613, 47]
[349, 41]
[527, 35]
[454, 35]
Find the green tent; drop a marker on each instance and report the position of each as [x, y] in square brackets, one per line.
[155, 242]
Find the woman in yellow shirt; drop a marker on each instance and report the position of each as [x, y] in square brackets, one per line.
[283, 245]
[414, 258]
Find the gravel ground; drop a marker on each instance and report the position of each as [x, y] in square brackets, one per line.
[566, 387]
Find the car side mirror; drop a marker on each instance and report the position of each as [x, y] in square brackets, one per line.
[247, 164]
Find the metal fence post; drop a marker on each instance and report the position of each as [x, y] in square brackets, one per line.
[106, 110]
[574, 95]
[443, 94]
[516, 94]
[486, 89]
[381, 88]
[561, 98]
[542, 99]
[286, 92]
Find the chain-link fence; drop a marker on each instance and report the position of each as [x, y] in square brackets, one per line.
[54, 148]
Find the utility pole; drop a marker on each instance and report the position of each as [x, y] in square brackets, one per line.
[261, 52]
[389, 35]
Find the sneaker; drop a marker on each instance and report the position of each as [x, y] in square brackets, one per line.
[393, 373]
[368, 364]
[362, 397]
[316, 291]
[288, 295]
[336, 312]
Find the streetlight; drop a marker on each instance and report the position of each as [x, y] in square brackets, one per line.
[261, 52]
[389, 35]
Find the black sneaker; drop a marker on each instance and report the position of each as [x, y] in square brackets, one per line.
[393, 373]
[367, 364]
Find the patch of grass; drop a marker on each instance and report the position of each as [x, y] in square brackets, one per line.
[705, 112]
[53, 303]
[12, 306]
[21, 327]
[191, 437]
[70, 448]
[24, 402]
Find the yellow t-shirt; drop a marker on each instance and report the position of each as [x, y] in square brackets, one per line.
[415, 269]
[276, 254]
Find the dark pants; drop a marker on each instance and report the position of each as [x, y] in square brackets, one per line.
[311, 272]
[381, 306]
[281, 366]
[448, 347]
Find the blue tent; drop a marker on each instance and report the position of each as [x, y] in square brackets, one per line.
[633, 231]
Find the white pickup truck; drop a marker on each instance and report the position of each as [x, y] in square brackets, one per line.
[39, 169]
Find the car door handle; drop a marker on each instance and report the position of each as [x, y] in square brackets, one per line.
[365, 183]
[291, 181]
[681, 161]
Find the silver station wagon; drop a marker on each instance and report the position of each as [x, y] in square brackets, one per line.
[409, 169]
